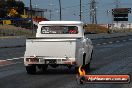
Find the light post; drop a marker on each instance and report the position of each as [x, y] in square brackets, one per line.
[35, 10]
[60, 10]
[50, 11]
[31, 16]
[80, 10]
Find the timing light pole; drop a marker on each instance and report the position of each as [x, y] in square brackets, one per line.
[80, 10]
[117, 3]
[93, 12]
[31, 16]
[60, 9]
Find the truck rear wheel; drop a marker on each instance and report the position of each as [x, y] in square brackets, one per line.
[87, 67]
[76, 70]
[44, 68]
[31, 69]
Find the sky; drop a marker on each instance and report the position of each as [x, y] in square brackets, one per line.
[70, 9]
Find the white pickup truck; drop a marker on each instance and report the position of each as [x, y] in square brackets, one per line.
[58, 43]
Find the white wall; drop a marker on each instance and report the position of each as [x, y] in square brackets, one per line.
[122, 25]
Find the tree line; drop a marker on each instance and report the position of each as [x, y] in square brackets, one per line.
[11, 8]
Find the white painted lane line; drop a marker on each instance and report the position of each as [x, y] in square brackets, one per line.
[124, 40]
[117, 41]
[10, 61]
[104, 43]
[2, 60]
[130, 39]
[15, 58]
[21, 57]
[98, 44]
[110, 42]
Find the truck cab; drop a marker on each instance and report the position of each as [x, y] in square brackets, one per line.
[58, 43]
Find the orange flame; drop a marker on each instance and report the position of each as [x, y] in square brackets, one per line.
[81, 71]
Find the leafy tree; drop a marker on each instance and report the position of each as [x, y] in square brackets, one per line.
[20, 6]
[3, 9]
[7, 5]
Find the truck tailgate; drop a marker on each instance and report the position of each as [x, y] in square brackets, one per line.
[56, 48]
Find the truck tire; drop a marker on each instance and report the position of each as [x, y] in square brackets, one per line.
[86, 67]
[76, 70]
[44, 68]
[84, 57]
[31, 69]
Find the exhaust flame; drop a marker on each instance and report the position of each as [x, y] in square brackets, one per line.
[81, 71]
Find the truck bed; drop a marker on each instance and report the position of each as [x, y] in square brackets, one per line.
[48, 48]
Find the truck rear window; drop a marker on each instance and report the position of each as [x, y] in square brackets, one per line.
[59, 30]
